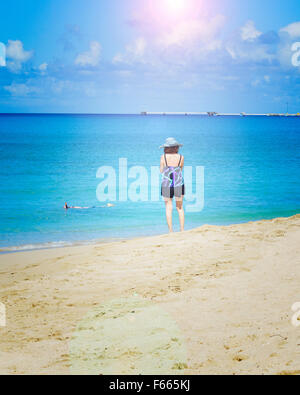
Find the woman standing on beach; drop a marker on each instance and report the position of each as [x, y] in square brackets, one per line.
[171, 166]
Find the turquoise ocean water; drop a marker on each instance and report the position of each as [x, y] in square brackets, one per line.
[251, 172]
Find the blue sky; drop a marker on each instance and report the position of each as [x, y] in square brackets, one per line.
[125, 56]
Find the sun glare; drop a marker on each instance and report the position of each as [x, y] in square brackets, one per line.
[176, 5]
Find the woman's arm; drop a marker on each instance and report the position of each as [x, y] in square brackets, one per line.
[182, 162]
[162, 164]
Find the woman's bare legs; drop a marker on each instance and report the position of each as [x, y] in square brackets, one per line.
[180, 210]
[169, 210]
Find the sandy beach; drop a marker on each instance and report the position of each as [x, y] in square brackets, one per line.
[213, 300]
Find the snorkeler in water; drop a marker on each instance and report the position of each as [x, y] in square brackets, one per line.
[66, 207]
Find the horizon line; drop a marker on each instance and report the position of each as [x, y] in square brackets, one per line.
[145, 113]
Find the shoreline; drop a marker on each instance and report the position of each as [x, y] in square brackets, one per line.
[66, 244]
[46, 246]
[212, 300]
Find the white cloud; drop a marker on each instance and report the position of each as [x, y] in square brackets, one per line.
[20, 89]
[69, 88]
[197, 33]
[133, 52]
[293, 30]
[255, 83]
[61, 86]
[15, 51]
[91, 57]
[138, 49]
[249, 32]
[17, 55]
[259, 81]
[231, 51]
[51, 85]
[246, 48]
[43, 67]
[175, 44]
[249, 53]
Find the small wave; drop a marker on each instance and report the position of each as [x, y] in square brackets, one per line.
[41, 246]
[55, 244]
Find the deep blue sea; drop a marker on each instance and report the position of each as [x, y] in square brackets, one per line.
[251, 172]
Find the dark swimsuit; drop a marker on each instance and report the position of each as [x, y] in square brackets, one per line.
[172, 183]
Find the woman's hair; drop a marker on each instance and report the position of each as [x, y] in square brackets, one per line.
[171, 150]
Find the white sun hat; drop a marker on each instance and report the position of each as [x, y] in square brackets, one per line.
[171, 142]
